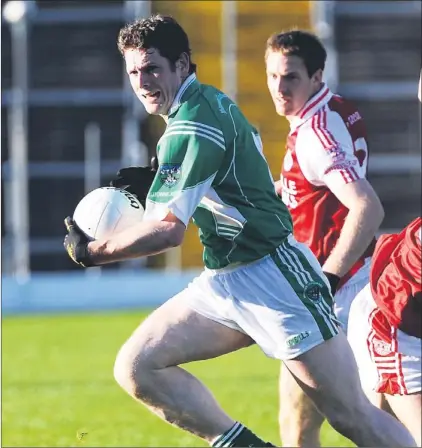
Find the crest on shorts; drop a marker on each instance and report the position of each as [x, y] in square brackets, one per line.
[312, 291]
[170, 173]
[382, 348]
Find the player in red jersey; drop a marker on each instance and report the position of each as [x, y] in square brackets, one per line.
[385, 327]
[323, 182]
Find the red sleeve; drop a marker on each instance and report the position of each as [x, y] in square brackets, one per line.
[396, 278]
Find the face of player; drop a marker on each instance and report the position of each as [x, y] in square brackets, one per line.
[153, 79]
[289, 83]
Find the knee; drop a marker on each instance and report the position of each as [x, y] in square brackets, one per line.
[126, 372]
[132, 372]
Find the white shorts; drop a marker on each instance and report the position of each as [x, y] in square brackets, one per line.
[389, 360]
[281, 301]
[344, 297]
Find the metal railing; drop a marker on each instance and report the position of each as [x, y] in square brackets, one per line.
[17, 171]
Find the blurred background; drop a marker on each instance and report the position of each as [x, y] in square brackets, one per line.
[69, 120]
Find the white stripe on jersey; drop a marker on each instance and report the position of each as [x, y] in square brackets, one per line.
[195, 123]
[226, 234]
[190, 127]
[320, 128]
[326, 138]
[197, 132]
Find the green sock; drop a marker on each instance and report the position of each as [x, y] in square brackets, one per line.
[239, 436]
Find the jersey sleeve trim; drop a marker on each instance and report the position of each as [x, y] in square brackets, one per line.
[157, 212]
[330, 144]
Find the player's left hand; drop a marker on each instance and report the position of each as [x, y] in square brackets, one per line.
[334, 281]
[136, 179]
[76, 244]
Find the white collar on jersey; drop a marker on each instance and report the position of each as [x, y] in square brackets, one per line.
[314, 103]
[186, 83]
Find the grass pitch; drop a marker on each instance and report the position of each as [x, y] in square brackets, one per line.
[58, 387]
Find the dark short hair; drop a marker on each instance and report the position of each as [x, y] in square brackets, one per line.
[160, 32]
[299, 43]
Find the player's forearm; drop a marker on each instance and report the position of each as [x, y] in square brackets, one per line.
[144, 239]
[360, 227]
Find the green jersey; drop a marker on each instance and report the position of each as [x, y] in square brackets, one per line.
[212, 168]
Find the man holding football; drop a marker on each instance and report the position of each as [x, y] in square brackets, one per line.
[259, 284]
[335, 210]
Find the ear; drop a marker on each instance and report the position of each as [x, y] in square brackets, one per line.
[183, 63]
[317, 76]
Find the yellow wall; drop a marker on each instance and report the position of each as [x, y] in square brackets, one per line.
[256, 21]
[202, 22]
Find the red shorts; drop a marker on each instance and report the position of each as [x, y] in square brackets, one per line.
[389, 360]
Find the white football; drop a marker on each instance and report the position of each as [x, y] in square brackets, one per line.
[107, 210]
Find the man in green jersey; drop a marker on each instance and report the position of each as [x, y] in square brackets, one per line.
[259, 284]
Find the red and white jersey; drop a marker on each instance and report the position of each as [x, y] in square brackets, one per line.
[396, 277]
[326, 149]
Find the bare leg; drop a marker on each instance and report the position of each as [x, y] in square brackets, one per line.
[408, 410]
[329, 376]
[379, 401]
[146, 367]
[300, 422]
